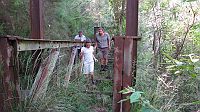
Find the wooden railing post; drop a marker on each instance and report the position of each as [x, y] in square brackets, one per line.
[43, 76]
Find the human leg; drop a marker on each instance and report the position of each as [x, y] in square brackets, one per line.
[86, 72]
[91, 67]
[92, 77]
[105, 58]
[101, 59]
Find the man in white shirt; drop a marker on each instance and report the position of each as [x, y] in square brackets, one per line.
[79, 38]
[88, 60]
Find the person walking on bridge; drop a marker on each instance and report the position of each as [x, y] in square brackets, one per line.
[79, 38]
[103, 46]
[88, 58]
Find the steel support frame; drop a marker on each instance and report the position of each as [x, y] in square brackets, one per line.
[37, 19]
[118, 71]
[9, 84]
[131, 30]
[37, 27]
[10, 47]
[123, 69]
[35, 44]
[126, 57]
[23, 44]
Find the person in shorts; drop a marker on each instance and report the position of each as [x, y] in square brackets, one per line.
[103, 46]
[88, 58]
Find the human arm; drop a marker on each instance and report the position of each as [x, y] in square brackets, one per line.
[109, 41]
[81, 54]
[96, 44]
[96, 60]
[77, 39]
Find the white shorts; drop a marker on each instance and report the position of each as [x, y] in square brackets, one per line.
[88, 68]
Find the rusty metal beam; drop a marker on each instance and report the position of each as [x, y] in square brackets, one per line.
[122, 69]
[9, 77]
[37, 28]
[118, 70]
[132, 18]
[127, 70]
[132, 28]
[10, 47]
[130, 48]
[38, 44]
[37, 19]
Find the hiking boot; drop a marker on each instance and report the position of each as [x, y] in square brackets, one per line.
[105, 67]
[108, 77]
[102, 68]
[93, 82]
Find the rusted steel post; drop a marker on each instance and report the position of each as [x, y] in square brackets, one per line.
[132, 27]
[37, 28]
[37, 19]
[130, 48]
[127, 70]
[118, 69]
[9, 85]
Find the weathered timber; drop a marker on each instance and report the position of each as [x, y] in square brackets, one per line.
[43, 76]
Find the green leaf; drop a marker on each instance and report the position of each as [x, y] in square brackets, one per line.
[189, 0]
[131, 89]
[122, 100]
[190, 67]
[127, 90]
[145, 103]
[196, 102]
[168, 56]
[193, 75]
[135, 97]
[124, 91]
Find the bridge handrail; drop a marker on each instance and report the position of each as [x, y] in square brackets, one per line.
[25, 44]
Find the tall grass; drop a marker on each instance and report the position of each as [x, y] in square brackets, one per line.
[58, 98]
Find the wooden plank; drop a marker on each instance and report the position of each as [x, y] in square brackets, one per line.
[43, 76]
[70, 66]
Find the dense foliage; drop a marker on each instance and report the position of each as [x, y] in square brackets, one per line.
[168, 73]
[170, 44]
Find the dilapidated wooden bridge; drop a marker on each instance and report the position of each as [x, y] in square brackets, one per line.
[125, 59]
